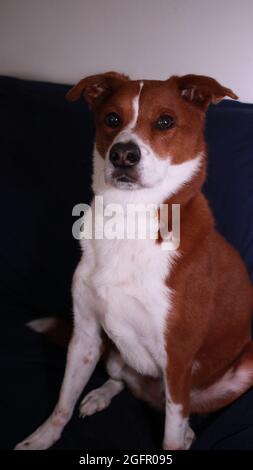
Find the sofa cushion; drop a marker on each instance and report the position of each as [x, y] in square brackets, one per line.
[229, 185]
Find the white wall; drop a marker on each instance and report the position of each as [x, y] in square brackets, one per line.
[64, 40]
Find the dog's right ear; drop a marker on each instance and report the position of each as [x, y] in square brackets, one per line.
[96, 88]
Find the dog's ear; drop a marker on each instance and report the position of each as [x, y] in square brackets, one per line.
[202, 91]
[96, 87]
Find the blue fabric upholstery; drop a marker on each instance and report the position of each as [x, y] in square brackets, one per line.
[229, 186]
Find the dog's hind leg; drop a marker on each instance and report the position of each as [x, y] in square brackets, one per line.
[237, 380]
[144, 388]
[100, 398]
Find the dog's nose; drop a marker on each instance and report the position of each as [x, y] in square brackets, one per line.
[125, 154]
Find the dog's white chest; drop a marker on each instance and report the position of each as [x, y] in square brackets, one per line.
[128, 278]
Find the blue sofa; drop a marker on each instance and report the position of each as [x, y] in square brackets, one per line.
[46, 146]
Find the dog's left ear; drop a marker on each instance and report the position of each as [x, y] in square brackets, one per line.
[202, 91]
[96, 88]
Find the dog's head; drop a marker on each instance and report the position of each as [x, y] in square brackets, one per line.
[146, 128]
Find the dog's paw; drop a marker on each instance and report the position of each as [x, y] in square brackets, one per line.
[41, 439]
[96, 400]
[30, 444]
[189, 437]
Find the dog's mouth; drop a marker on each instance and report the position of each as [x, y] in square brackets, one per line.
[124, 179]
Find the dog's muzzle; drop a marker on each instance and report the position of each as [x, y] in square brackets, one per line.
[125, 156]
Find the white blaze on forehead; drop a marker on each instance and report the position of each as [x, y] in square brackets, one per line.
[135, 109]
[126, 133]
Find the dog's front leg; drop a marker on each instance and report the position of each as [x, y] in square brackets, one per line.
[177, 434]
[83, 354]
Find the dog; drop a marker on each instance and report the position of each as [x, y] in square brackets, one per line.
[178, 320]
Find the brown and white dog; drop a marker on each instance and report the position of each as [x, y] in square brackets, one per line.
[179, 321]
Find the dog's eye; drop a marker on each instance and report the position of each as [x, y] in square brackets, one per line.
[164, 122]
[112, 120]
